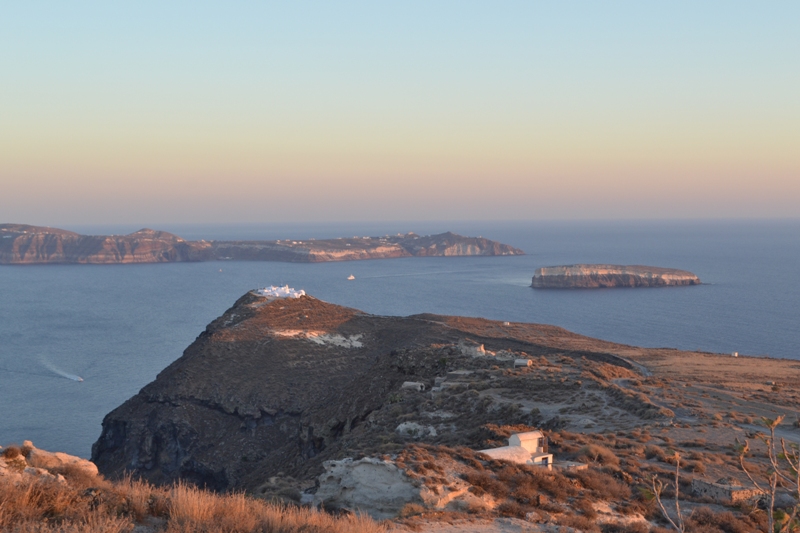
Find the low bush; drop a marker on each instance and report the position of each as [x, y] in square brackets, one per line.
[411, 509]
[603, 485]
[579, 522]
[596, 453]
[652, 451]
[512, 509]
[11, 452]
[705, 520]
[487, 483]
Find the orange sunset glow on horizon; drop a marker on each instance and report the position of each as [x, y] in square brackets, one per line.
[261, 113]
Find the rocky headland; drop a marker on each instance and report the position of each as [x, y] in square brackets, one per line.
[22, 244]
[604, 276]
[302, 400]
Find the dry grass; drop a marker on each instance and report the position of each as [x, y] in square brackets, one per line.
[705, 520]
[42, 506]
[595, 453]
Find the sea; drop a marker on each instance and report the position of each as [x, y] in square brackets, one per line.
[76, 341]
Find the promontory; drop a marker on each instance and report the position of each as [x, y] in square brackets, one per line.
[600, 276]
[24, 244]
[291, 398]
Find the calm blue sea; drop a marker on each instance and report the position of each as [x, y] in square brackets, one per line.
[117, 326]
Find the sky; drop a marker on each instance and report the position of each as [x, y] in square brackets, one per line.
[258, 112]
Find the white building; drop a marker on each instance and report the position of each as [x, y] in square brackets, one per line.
[523, 448]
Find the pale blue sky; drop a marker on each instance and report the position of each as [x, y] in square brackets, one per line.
[197, 112]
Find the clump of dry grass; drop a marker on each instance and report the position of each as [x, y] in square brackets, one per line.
[595, 453]
[705, 520]
[32, 504]
[652, 451]
[11, 452]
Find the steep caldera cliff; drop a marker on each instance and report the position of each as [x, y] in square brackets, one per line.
[276, 386]
[23, 244]
[597, 276]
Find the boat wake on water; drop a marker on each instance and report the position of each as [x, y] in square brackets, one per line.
[52, 368]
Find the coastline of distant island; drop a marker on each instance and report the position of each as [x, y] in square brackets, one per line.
[587, 276]
[22, 244]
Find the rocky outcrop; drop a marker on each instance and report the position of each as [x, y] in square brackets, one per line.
[375, 486]
[597, 276]
[23, 244]
[278, 386]
[383, 487]
[28, 460]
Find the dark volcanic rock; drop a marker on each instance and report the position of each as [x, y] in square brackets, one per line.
[278, 386]
[596, 276]
[22, 244]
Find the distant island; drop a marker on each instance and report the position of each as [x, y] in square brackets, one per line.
[601, 276]
[22, 244]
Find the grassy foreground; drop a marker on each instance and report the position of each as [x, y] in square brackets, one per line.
[93, 505]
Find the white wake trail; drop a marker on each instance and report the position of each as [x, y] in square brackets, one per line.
[52, 368]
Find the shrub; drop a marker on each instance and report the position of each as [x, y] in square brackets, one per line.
[598, 454]
[12, 452]
[487, 483]
[654, 452]
[704, 520]
[603, 485]
[512, 509]
[586, 508]
[697, 467]
[411, 509]
[76, 476]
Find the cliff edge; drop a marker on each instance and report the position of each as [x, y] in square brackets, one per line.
[602, 276]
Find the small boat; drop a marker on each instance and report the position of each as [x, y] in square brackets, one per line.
[351, 277]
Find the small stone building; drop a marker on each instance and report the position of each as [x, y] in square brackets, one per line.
[724, 490]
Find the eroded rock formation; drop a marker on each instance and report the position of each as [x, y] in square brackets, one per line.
[597, 276]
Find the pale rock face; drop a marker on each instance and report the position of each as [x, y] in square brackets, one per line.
[603, 276]
[323, 338]
[370, 485]
[352, 341]
[57, 460]
[416, 430]
[381, 489]
[473, 349]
